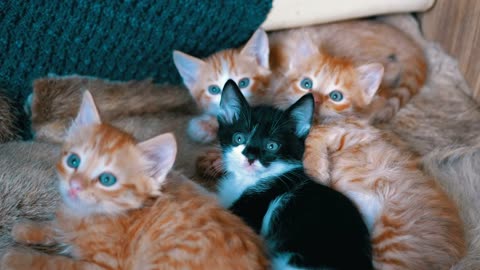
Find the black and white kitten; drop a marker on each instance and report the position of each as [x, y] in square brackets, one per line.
[306, 225]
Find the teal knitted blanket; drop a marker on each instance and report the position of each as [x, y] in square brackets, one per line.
[118, 39]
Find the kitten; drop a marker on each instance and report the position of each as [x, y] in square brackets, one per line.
[414, 224]
[123, 209]
[205, 78]
[298, 58]
[305, 224]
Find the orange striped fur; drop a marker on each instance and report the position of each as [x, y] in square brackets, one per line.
[414, 225]
[352, 44]
[149, 219]
[248, 63]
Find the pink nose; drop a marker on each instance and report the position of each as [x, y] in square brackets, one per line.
[75, 187]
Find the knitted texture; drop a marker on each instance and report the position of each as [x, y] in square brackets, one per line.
[119, 40]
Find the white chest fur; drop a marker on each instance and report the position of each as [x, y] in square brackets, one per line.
[232, 187]
[369, 206]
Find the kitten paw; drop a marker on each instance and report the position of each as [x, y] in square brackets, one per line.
[209, 164]
[383, 116]
[15, 259]
[203, 129]
[321, 176]
[28, 233]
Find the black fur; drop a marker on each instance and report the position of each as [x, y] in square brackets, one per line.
[318, 225]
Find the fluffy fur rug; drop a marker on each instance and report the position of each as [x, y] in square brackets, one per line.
[442, 123]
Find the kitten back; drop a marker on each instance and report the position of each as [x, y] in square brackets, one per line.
[55, 101]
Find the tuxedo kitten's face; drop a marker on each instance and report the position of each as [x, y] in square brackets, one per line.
[248, 67]
[262, 141]
[339, 87]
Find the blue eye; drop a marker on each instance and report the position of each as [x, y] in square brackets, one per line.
[306, 83]
[107, 179]
[238, 138]
[336, 95]
[214, 89]
[272, 146]
[73, 161]
[243, 82]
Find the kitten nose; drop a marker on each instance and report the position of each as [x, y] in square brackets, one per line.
[249, 155]
[76, 184]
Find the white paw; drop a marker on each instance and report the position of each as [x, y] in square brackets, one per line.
[322, 176]
[203, 129]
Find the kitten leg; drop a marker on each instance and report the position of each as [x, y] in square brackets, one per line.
[203, 128]
[209, 164]
[32, 233]
[315, 158]
[20, 259]
[319, 144]
[399, 97]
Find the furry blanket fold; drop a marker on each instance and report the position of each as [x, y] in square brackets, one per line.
[442, 123]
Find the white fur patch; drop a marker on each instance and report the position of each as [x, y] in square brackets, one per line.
[280, 262]
[271, 217]
[239, 178]
[369, 206]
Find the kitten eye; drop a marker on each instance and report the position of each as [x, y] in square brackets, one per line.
[73, 161]
[336, 95]
[306, 83]
[239, 138]
[107, 179]
[272, 146]
[214, 89]
[243, 82]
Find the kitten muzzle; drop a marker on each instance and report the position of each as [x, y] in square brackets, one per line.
[75, 188]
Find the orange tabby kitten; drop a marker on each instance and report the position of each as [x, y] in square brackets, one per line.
[414, 225]
[123, 209]
[205, 78]
[298, 57]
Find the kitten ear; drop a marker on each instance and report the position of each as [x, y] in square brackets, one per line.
[302, 113]
[369, 79]
[160, 151]
[188, 66]
[232, 103]
[303, 51]
[258, 48]
[87, 113]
